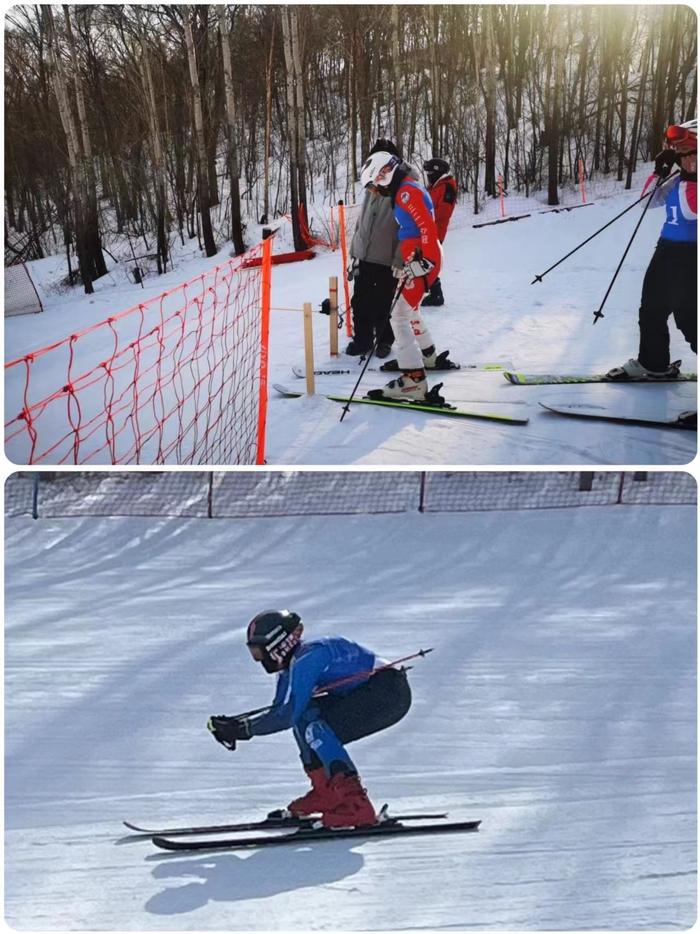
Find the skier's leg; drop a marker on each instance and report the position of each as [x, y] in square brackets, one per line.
[318, 744]
[362, 310]
[654, 311]
[408, 330]
[341, 798]
[685, 315]
[385, 287]
[322, 757]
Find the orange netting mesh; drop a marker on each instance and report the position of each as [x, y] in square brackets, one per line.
[178, 379]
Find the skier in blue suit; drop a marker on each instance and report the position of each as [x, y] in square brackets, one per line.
[330, 692]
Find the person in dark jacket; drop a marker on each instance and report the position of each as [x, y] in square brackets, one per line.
[374, 252]
[330, 692]
[442, 189]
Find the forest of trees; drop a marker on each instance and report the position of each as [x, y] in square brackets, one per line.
[141, 119]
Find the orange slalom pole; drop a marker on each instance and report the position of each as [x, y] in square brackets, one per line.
[344, 255]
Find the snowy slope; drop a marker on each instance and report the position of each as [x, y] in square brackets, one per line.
[492, 313]
[558, 707]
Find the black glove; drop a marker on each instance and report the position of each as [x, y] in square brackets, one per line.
[353, 268]
[228, 730]
[664, 162]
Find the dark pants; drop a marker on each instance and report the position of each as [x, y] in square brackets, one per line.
[373, 706]
[373, 292]
[670, 288]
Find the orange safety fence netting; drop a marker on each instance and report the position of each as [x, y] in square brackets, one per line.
[178, 379]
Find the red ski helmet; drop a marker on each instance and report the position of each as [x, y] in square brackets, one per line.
[683, 137]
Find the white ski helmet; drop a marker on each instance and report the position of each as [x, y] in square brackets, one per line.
[379, 169]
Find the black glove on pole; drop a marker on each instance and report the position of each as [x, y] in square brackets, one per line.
[228, 730]
[662, 181]
[599, 313]
[664, 162]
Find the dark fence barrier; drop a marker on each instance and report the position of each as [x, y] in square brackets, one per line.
[249, 494]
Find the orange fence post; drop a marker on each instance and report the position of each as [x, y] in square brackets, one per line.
[500, 194]
[344, 254]
[264, 345]
[582, 180]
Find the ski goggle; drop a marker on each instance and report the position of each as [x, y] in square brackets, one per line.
[677, 134]
[683, 140]
[257, 652]
[386, 171]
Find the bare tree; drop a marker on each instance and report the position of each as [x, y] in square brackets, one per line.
[234, 172]
[202, 167]
[295, 118]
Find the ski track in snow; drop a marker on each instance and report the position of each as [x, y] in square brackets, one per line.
[492, 313]
[559, 706]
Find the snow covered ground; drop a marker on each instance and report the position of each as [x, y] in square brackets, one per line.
[559, 707]
[492, 313]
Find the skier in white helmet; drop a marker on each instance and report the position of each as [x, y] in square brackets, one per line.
[421, 252]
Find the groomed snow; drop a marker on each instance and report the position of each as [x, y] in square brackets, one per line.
[559, 707]
[492, 313]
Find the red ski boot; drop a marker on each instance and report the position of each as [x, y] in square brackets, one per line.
[318, 799]
[351, 807]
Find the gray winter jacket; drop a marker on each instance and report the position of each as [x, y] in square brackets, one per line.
[376, 237]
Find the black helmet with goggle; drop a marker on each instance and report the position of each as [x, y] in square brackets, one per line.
[272, 637]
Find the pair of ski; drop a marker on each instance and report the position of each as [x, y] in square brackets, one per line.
[296, 830]
[683, 420]
[433, 405]
[515, 377]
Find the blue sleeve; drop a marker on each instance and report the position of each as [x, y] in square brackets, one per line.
[294, 692]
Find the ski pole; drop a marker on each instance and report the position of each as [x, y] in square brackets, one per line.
[421, 653]
[540, 277]
[369, 674]
[346, 407]
[599, 313]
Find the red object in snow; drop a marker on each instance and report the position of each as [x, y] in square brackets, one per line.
[280, 258]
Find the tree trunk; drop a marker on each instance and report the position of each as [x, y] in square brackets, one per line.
[202, 168]
[77, 194]
[396, 67]
[490, 104]
[289, 15]
[93, 244]
[234, 171]
[160, 207]
[268, 127]
[554, 115]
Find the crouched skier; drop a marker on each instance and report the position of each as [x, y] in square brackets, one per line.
[356, 702]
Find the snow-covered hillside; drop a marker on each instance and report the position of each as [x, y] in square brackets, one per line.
[559, 706]
[493, 313]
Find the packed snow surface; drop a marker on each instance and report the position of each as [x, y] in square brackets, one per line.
[492, 313]
[559, 707]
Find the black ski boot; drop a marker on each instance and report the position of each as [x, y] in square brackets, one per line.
[434, 297]
[431, 361]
